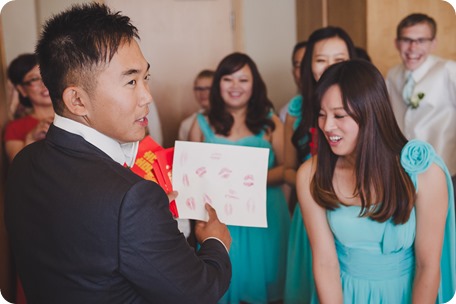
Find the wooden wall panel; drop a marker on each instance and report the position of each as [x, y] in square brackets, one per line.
[351, 16]
[309, 17]
[382, 19]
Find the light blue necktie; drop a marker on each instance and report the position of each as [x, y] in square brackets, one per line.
[407, 91]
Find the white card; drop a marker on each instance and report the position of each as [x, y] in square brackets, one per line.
[232, 179]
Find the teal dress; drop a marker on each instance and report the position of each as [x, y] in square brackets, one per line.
[299, 282]
[377, 260]
[258, 255]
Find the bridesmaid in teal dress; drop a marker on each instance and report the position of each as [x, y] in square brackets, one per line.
[241, 114]
[325, 47]
[379, 210]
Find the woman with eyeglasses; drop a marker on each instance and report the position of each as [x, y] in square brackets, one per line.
[24, 74]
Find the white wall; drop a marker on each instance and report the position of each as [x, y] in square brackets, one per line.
[268, 31]
[269, 37]
[22, 21]
[19, 25]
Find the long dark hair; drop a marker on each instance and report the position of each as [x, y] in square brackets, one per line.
[378, 171]
[308, 83]
[259, 106]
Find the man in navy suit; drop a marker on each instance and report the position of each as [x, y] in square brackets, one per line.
[83, 227]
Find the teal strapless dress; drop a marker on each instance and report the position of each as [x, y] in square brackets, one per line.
[377, 260]
[299, 282]
[258, 255]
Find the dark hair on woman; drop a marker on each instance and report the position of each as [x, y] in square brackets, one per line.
[17, 70]
[76, 44]
[259, 105]
[299, 45]
[379, 174]
[301, 137]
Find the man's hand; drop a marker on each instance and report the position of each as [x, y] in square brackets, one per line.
[212, 228]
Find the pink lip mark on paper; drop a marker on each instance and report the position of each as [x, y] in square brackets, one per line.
[249, 180]
[185, 180]
[225, 173]
[183, 159]
[228, 209]
[201, 171]
[190, 202]
[231, 194]
[216, 155]
[207, 199]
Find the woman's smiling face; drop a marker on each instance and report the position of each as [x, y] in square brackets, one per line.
[340, 129]
[236, 88]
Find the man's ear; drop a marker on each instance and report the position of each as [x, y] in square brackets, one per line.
[76, 100]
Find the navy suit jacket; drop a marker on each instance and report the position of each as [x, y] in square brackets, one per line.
[84, 229]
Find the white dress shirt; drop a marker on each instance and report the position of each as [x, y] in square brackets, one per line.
[434, 120]
[186, 125]
[120, 153]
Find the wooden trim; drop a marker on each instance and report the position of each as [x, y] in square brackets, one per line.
[324, 13]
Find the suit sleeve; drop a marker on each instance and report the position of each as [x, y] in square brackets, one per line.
[155, 257]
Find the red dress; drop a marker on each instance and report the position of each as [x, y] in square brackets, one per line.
[18, 128]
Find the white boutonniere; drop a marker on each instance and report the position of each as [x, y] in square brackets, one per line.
[416, 99]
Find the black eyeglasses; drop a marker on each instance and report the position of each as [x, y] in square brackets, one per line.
[201, 89]
[419, 41]
[33, 82]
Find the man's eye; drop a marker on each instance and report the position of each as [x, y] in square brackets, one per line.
[147, 77]
[132, 82]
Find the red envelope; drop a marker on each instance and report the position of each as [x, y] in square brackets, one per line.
[154, 163]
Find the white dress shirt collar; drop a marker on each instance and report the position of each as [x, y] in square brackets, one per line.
[419, 73]
[120, 153]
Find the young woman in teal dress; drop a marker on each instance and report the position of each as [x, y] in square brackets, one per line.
[241, 114]
[325, 47]
[379, 210]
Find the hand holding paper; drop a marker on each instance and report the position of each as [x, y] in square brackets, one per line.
[212, 228]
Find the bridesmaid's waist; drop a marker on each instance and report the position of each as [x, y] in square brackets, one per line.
[365, 264]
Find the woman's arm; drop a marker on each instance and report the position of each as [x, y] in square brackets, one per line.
[12, 147]
[290, 155]
[195, 133]
[324, 256]
[431, 211]
[275, 174]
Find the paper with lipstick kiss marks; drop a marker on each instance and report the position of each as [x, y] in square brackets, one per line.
[232, 179]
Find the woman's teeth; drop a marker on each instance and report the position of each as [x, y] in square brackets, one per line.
[335, 138]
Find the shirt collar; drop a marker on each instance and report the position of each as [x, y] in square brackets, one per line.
[120, 153]
[419, 73]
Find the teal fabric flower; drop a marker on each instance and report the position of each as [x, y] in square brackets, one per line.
[417, 156]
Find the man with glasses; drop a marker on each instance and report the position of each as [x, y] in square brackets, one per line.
[201, 89]
[423, 88]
